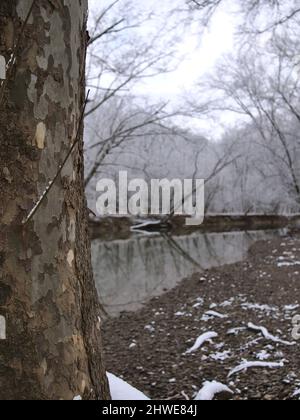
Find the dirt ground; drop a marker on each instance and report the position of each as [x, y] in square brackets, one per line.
[148, 348]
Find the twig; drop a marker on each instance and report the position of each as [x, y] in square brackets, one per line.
[13, 57]
[51, 183]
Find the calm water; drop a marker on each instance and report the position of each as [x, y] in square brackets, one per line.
[130, 272]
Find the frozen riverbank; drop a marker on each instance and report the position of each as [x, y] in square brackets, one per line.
[149, 348]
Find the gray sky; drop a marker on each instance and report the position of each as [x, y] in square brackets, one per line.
[197, 54]
[200, 56]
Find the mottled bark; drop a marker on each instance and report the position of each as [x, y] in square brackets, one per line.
[48, 299]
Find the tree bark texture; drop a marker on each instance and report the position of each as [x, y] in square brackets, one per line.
[48, 299]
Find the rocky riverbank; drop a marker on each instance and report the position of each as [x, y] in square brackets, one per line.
[250, 306]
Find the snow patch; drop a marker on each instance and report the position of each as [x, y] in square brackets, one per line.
[269, 336]
[215, 315]
[236, 331]
[150, 328]
[210, 389]
[244, 366]
[221, 356]
[227, 303]
[263, 355]
[201, 340]
[132, 346]
[296, 393]
[257, 307]
[291, 308]
[122, 391]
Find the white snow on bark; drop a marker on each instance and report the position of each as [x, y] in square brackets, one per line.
[201, 340]
[210, 390]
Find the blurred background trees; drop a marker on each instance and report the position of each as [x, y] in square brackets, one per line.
[251, 95]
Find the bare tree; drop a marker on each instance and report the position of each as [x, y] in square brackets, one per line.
[261, 86]
[123, 124]
[275, 13]
[123, 51]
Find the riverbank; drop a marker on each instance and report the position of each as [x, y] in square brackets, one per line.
[109, 228]
[149, 348]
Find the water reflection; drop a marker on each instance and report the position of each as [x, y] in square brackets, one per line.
[130, 272]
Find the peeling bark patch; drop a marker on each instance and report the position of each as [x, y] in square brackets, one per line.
[2, 68]
[70, 257]
[23, 8]
[40, 135]
[2, 328]
[7, 175]
[72, 226]
[44, 366]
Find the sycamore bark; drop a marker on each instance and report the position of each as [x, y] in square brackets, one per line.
[48, 299]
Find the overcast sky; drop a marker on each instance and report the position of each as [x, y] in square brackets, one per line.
[200, 56]
[197, 53]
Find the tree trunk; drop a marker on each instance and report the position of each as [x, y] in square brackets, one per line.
[51, 348]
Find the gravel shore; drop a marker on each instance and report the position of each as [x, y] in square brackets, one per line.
[149, 348]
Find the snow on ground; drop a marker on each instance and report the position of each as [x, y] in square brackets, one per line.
[263, 355]
[199, 302]
[288, 264]
[291, 308]
[210, 389]
[271, 304]
[227, 303]
[244, 366]
[201, 340]
[215, 314]
[133, 345]
[257, 307]
[150, 328]
[180, 314]
[296, 393]
[250, 344]
[122, 391]
[221, 356]
[236, 331]
[269, 336]
[287, 260]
